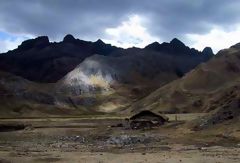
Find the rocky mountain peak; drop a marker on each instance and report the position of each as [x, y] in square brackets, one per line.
[38, 42]
[177, 43]
[69, 38]
[175, 47]
[207, 51]
[100, 41]
[42, 39]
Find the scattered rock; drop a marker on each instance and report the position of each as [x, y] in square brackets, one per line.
[124, 140]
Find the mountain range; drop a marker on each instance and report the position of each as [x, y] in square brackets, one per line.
[42, 61]
[77, 77]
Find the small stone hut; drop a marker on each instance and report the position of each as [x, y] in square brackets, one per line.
[147, 119]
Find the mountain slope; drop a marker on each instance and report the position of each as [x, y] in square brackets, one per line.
[22, 98]
[212, 86]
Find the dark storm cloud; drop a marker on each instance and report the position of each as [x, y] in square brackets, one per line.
[178, 17]
[89, 18]
[56, 17]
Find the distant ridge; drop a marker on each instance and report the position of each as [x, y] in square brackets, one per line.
[176, 47]
[42, 61]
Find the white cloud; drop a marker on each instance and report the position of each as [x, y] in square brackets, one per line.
[10, 44]
[130, 33]
[217, 39]
[10, 41]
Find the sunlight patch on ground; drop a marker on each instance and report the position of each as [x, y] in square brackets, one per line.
[110, 107]
[99, 81]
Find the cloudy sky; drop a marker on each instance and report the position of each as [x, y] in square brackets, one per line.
[126, 23]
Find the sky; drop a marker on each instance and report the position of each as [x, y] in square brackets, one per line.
[124, 23]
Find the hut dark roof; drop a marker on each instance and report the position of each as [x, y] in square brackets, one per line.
[148, 113]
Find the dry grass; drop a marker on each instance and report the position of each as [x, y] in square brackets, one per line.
[43, 143]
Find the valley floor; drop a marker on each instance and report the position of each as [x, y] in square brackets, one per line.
[94, 140]
[215, 155]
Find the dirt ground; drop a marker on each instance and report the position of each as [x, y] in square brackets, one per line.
[94, 140]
